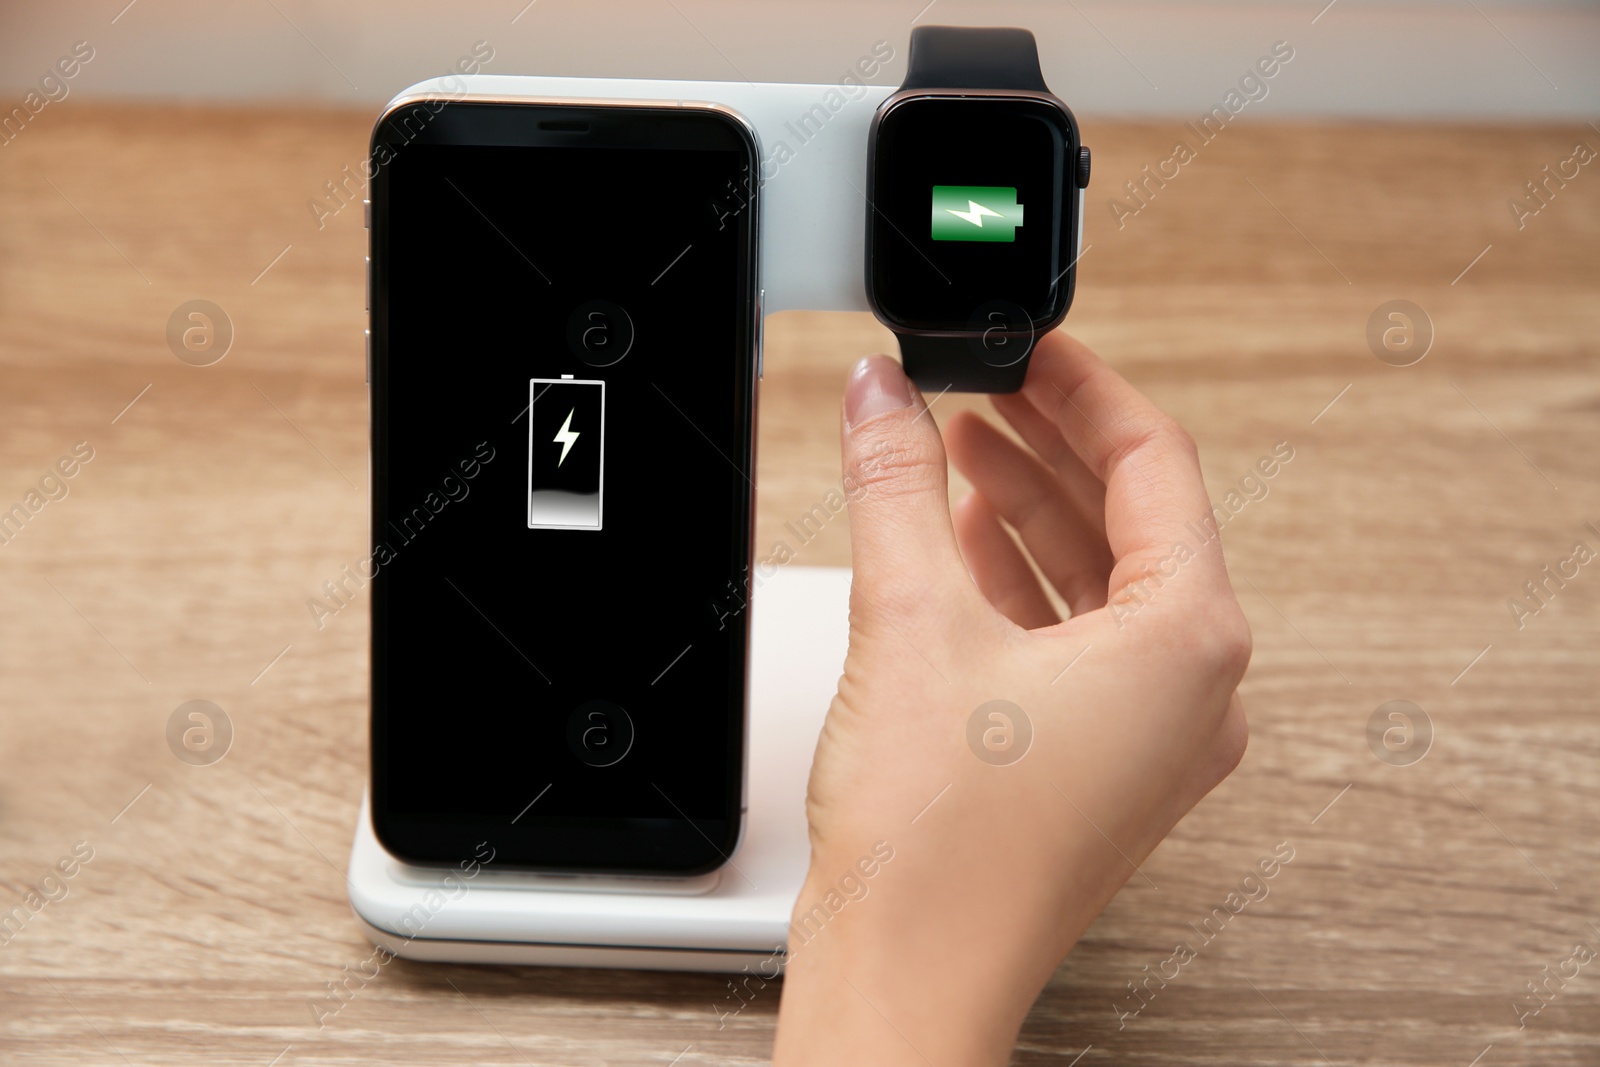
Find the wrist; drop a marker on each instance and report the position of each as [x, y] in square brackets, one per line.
[875, 977]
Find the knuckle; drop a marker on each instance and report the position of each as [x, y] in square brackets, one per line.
[1232, 739]
[886, 467]
[1228, 643]
[1171, 433]
[1214, 642]
[1156, 432]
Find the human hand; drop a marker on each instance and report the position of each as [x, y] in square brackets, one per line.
[994, 868]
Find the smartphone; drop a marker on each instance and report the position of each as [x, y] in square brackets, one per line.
[564, 302]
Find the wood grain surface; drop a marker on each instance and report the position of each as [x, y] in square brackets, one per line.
[1424, 895]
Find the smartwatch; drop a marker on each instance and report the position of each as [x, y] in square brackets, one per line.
[975, 179]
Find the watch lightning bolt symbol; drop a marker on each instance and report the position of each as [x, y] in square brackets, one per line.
[974, 213]
[567, 437]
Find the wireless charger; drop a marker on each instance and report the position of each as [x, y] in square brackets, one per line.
[737, 916]
[812, 142]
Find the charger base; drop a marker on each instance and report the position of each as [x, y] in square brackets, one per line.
[735, 917]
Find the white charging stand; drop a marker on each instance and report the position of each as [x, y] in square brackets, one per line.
[736, 916]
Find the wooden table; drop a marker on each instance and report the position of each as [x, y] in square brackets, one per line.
[1423, 894]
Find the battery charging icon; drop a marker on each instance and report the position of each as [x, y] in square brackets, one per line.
[566, 453]
[975, 213]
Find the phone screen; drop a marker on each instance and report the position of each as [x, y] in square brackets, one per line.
[563, 315]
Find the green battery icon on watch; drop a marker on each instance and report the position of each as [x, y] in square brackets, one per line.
[975, 213]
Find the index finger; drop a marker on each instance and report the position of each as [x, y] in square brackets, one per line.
[1157, 509]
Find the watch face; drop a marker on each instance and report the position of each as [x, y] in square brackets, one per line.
[971, 213]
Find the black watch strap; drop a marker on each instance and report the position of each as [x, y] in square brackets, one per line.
[973, 57]
[967, 57]
[938, 364]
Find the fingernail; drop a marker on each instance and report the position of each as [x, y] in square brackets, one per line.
[877, 384]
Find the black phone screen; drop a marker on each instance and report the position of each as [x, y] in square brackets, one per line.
[563, 314]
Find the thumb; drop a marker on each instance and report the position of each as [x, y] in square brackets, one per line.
[901, 537]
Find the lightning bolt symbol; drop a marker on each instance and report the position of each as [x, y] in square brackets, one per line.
[567, 436]
[974, 213]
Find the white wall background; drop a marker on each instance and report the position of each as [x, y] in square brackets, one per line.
[1356, 58]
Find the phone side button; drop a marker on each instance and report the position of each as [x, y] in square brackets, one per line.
[761, 334]
[369, 355]
[366, 213]
[369, 282]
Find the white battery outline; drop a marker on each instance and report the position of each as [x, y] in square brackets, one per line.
[557, 509]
